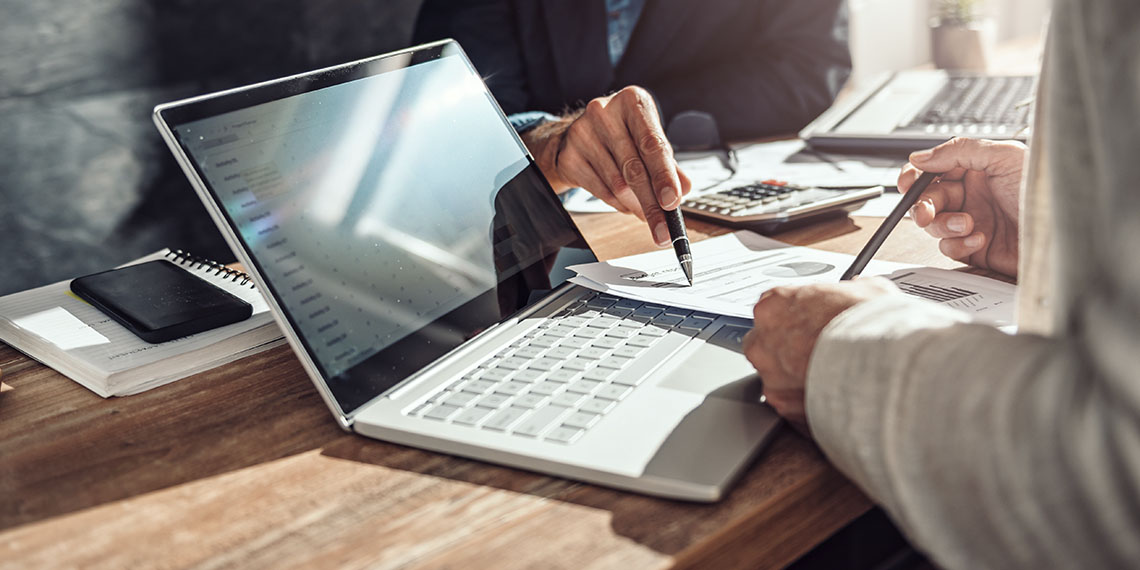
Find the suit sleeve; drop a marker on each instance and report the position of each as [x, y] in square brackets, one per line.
[791, 71]
[487, 32]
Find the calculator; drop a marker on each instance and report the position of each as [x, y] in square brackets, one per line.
[770, 204]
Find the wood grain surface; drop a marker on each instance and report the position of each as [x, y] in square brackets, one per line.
[243, 466]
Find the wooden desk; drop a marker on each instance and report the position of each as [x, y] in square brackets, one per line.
[244, 466]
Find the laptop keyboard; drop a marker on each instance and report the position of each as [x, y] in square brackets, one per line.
[965, 104]
[559, 379]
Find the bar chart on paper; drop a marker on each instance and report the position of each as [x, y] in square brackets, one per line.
[983, 298]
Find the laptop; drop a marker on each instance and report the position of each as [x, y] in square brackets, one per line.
[415, 259]
[911, 110]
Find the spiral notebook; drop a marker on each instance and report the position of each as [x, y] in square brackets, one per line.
[57, 328]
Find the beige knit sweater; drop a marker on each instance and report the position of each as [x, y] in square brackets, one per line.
[1018, 451]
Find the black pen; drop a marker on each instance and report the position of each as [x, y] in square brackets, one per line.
[680, 240]
[889, 224]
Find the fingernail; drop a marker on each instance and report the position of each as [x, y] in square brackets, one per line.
[975, 240]
[956, 224]
[661, 234]
[668, 195]
[922, 155]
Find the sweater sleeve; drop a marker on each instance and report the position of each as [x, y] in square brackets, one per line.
[989, 450]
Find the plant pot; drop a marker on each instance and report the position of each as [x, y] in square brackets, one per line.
[963, 47]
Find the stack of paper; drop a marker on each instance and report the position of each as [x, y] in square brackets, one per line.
[64, 332]
[731, 271]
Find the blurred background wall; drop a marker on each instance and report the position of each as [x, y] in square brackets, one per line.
[85, 181]
[889, 35]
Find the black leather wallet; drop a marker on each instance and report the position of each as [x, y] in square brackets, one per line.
[160, 301]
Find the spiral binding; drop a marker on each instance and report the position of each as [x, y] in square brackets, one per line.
[195, 262]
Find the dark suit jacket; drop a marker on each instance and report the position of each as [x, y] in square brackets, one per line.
[760, 67]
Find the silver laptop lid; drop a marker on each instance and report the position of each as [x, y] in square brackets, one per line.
[386, 206]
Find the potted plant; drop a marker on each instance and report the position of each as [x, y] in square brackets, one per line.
[962, 36]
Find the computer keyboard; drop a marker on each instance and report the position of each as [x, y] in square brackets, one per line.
[977, 105]
[769, 204]
[560, 378]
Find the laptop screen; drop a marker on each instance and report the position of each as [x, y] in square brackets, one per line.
[388, 205]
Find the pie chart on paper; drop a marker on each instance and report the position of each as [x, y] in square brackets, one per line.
[797, 269]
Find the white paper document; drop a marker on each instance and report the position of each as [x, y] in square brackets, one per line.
[790, 161]
[731, 271]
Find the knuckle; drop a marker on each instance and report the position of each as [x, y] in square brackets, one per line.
[652, 143]
[634, 171]
[595, 107]
[616, 182]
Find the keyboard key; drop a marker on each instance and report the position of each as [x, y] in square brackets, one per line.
[569, 399]
[606, 343]
[615, 362]
[603, 322]
[441, 412]
[668, 320]
[472, 416]
[496, 374]
[529, 400]
[493, 401]
[627, 304]
[537, 422]
[600, 374]
[614, 392]
[642, 341]
[648, 312]
[560, 352]
[655, 306]
[618, 313]
[654, 330]
[597, 406]
[478, 386]
[600, 303]
[589, 332]
[620, 332]
[581, 420]
[460, 398]
[629, 351]
[563, 375]
[627, 380]
[547, 388]
[514, 363]
[511, 388]
[574, 343]
[528, 375]
[563, 434]
[560, 331]
[529, 352]
[583, 386]
[545, 364]
[593, 353]
[677, 312]
[545, 341]
[575, 321]
[503, 419]
[579, 364]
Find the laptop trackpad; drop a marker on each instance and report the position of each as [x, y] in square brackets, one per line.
[718, 368]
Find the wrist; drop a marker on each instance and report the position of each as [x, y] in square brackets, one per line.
[544, 142]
